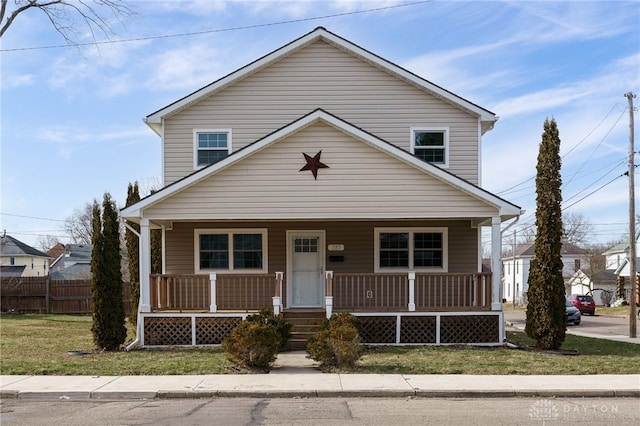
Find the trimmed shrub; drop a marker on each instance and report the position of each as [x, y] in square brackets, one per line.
[252, 345]
[337, 344]
[282, 326]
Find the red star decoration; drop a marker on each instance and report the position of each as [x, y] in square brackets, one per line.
[313, 164]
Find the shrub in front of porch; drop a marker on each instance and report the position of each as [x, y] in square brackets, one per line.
[282, 326]
[252, 345]
[337, 344]
[255, 343]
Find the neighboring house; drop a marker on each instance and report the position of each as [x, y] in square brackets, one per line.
[516, 269]
[602, 285]
[14, 254]
[324, 178]
[617, 261]
[74, 263]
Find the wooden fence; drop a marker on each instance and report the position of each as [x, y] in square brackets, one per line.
[44, 295]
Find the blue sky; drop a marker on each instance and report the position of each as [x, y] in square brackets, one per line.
[71, 117]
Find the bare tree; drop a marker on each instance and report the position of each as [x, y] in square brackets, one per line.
[79, 226]
[67, 16]
[576, 229]
[46, 242]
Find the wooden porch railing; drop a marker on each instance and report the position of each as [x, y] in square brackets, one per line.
[370, 292]
[411, 291]
[234, 292]
[343, 291]
[434, 292]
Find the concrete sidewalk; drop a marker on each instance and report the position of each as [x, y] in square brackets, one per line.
[295, 375]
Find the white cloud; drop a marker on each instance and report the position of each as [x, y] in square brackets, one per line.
[70, 139]
[185, 68]
[12, 81]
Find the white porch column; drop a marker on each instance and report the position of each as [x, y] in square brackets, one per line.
[328, 298]
[277, 298]
[212, 281]
[412, 292]
[145, 266]
[496, 263]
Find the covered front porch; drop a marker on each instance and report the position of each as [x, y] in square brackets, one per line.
[351, 292]
[394, 309]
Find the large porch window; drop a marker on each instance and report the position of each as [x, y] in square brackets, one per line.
[416, 249]
[228, 250]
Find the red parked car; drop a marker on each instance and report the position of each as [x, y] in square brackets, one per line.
[585, 304]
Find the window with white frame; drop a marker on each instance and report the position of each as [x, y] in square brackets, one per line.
[210, 146]
[431, 144]
[411, 249]
[229, 250]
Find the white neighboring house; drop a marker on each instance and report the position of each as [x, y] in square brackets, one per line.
[601, 285]
[21, 260]
[516, 269]
[617, 262]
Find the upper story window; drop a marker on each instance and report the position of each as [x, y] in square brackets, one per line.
[210, 146]
[431, 144]
[411, 249]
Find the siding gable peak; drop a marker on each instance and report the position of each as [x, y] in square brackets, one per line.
[155, 119]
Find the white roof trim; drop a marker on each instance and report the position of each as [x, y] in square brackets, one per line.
[505, 208]
[154, 120]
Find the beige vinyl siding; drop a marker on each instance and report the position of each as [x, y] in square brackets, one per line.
[321, 76]
[356, 236]
[361, 182]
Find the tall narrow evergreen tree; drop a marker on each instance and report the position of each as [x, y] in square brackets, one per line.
[546, 313]
[133, 255]
[109, 331]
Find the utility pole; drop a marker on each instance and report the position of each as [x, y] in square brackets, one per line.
[632, 223]
[514, 270]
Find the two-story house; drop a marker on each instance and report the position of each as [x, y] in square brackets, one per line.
[322, 178]
[21, 260]
[515, 269]
[617, 261]
[74, 263]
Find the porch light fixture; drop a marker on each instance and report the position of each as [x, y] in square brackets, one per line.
[313, 164]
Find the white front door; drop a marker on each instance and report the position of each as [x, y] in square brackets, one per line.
[306, 268]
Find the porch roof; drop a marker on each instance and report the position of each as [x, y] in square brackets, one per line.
[486, 204]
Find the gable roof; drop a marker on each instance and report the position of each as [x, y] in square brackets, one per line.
[77, 271]
[528, 250]
[13, 247]
[154, 120]
[506, 209]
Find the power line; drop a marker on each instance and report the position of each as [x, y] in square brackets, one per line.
[219, 30]
[506, 191]
[32, 217]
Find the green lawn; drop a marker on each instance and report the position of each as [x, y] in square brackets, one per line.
[39, 344]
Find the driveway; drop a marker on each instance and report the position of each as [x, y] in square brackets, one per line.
[600, 326]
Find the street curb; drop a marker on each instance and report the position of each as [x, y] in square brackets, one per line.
[418, 393]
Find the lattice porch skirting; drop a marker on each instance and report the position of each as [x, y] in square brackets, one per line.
[433, 328]
[404, 328]
[188, 330]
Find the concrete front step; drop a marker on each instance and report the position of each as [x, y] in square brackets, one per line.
[306, 323]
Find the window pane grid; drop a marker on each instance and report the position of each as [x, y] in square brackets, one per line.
[425, 249]
[306, 245]
[247, 251]
[214, 251]
[212, 147]
[430, 146]
[231, 251]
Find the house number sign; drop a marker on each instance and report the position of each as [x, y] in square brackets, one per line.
[336, 247]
